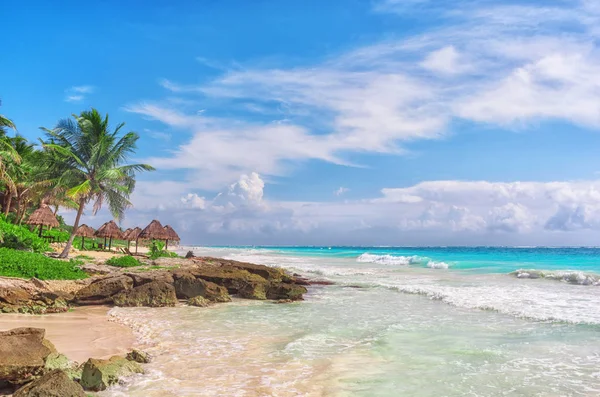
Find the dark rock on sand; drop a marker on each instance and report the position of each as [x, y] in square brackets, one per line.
[138, 356]
[98, 374]
[187, 286]
[101, 291]
[189, 255]
[154, 294]
[23, 352]
[53, 384]
[29, 296]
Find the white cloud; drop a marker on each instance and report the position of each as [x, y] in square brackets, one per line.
[341, 191]
[192, 200]
[78, 93]
[446, 60]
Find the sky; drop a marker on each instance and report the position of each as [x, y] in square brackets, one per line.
[345, 122]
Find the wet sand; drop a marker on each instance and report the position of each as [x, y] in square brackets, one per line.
[79, 334]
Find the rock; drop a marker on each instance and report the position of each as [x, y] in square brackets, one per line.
[266, 272]
[138, 356]
[102, 290]
[254, 290]
[150, 276]
[98, 374]
[187, 286]
[60, 361]
[189, 255]
[286, 291]
[198, 301]
[93, 268]
[23, 352]
[154, 294]
[280, 301]
[229, 277]
[55, 383]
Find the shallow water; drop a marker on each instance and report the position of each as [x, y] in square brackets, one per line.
[411, 329]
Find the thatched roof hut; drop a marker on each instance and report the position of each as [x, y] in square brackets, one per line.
[110, 230]
[43, 216]
[85, 231]
[173, 236]
[133, 234]
[154, 231]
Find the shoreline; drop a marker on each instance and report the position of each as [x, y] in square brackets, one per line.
[79, 334]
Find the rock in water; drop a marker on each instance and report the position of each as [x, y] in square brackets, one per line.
[23, 352]
[187, 286]
[138, 356]
[154, 294]
[54, 384]
[99, 374]
[101, 291]
[254, 290]
[198, 301]
[286, 291]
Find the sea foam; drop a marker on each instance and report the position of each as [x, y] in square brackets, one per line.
[400, 260]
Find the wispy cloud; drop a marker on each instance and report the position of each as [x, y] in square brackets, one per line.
[341, 191]
[78, 93]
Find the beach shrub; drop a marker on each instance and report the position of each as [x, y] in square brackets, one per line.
[157, 250]
[25, 264]
[60, 236]
[123, 261]
[20, 238]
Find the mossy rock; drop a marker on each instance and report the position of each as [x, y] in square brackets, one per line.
[154, 294]
[286, 291]
[60, 361]
[254, 290]
[187, 286]
[138, 356]
[55, 383]
[98, 374]
[198, 301]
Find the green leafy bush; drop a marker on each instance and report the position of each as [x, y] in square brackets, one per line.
[20, 238]
[24, 264]
[157, 250]
[60, 236]
[123, 261]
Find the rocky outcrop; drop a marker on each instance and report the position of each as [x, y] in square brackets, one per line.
[286, 291]
[23, 353]
[148, 277]
[188, 286]
[138, 356]
[199, 301]
[101, 291]
[53, 384]
[98, 374]
[153, 294]
[29, 296]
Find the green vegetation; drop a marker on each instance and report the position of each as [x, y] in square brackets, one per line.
[84, 258]
[157, 250]
[23, 264]
[123, 261]
[87, 161]
[20, 238]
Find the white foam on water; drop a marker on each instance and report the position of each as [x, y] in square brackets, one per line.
[567, 276]
[400, 260]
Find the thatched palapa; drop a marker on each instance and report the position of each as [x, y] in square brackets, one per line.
[154, 231]
[109, 230]
[84, 231]
[133, 234]
[173, 236]
[43, 216]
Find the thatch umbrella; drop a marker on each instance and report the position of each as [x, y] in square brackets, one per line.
[43, 216]
[154, 231]
[110, 230]
[84, 231]
[132, 235]
[173, 236]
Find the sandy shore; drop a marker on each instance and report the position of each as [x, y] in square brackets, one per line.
[79, 334]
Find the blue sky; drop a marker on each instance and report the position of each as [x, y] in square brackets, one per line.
[342, 122]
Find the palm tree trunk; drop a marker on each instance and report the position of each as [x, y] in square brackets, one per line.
[65, 252]
[8, 203]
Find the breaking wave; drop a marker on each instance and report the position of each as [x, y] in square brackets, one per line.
[567, 276]
[401, 260]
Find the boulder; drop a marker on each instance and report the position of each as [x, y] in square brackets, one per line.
[95, 268]
[254, 290]
[154, 294]
[198, 301]
[187, 286]
[266, 272]
[150, 276]
[60, 361]
[189, 255]
[138, 356]
[286, 291]
[23, 352]
[54, 384]
[101, 291]
[229, 277]
[98, 374]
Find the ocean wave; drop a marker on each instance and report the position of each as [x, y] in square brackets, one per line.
[401, 260]
[567, 276]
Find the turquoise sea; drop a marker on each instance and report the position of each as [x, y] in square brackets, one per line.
[438, 321]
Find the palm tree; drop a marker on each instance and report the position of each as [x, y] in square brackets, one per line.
[87, 162]
[6, 122]
[8, 156]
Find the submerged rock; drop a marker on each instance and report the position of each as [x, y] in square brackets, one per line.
[187, 286]
[138, 356]
[102, 290]
[154, 294]
[23, 353]
[55, 383]
[286, 291]
[98, 374]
